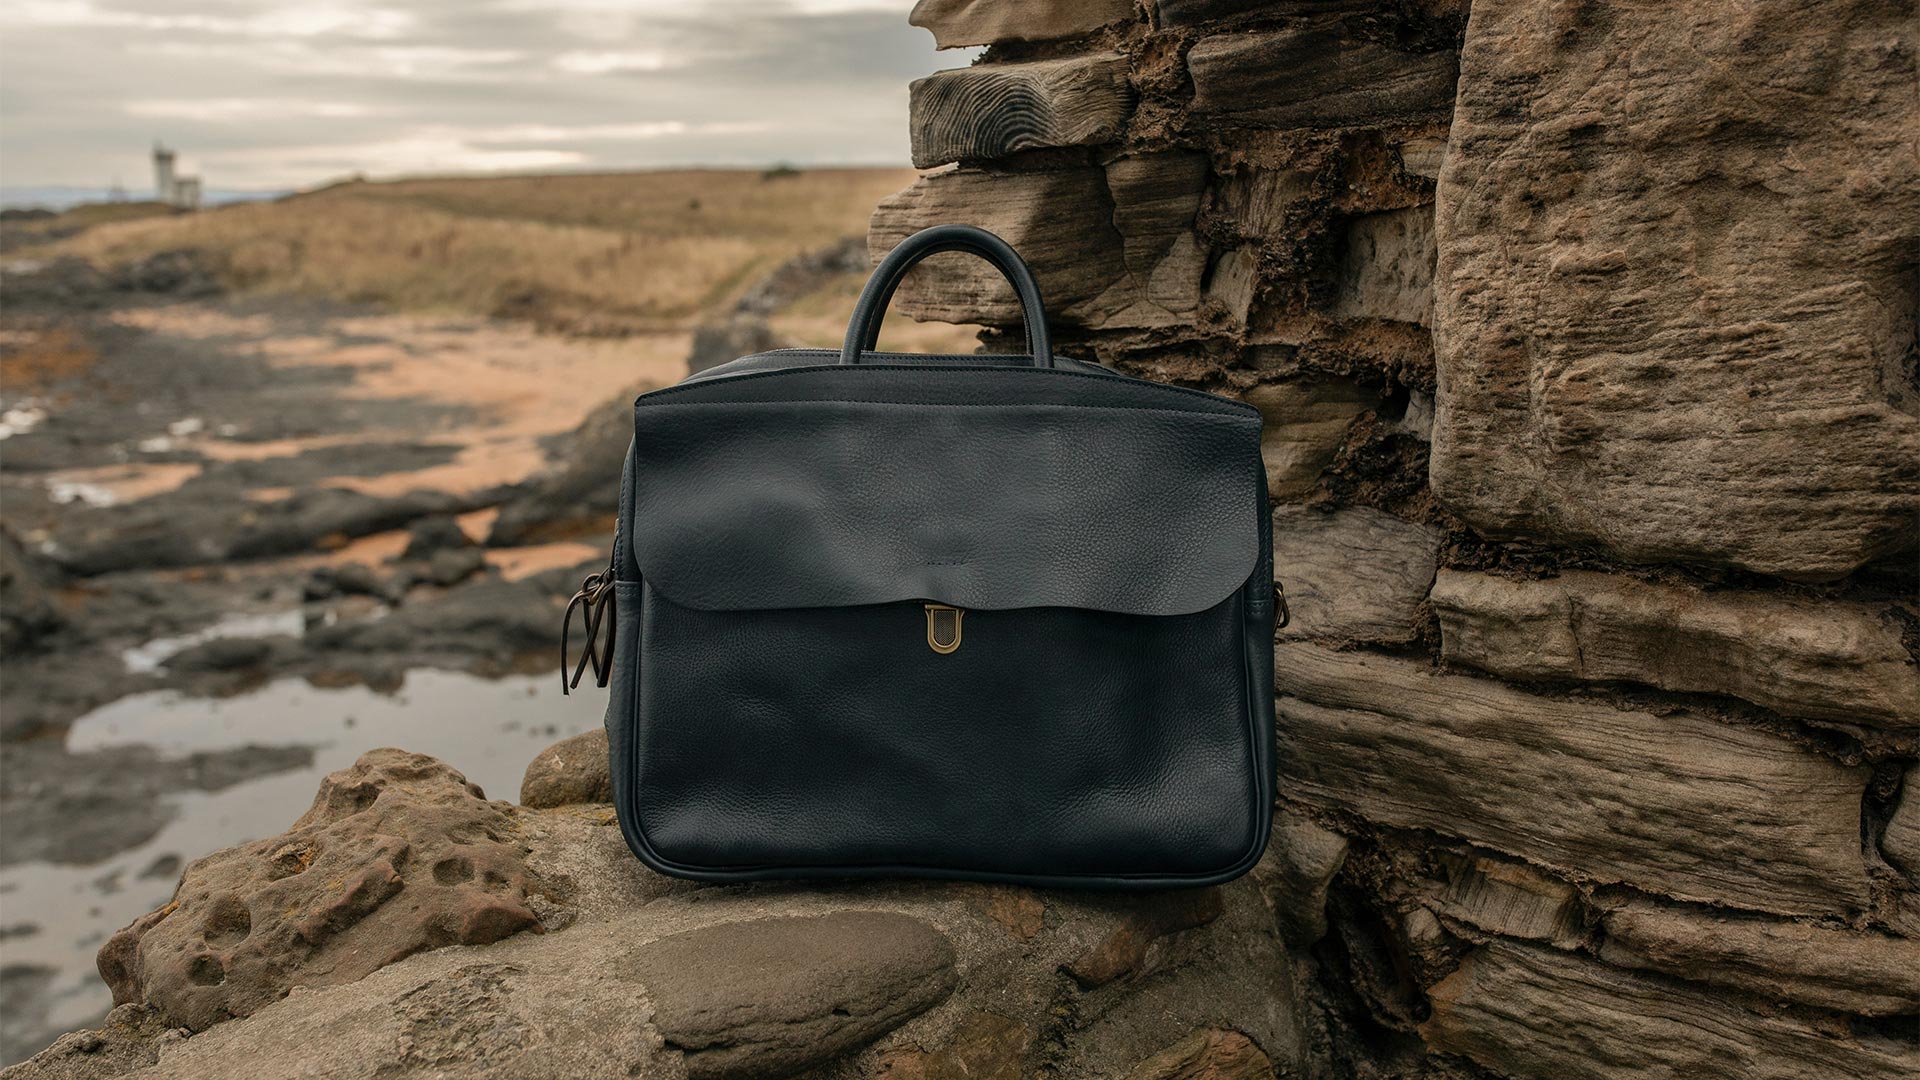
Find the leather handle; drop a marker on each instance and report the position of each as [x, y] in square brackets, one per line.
[863, 332]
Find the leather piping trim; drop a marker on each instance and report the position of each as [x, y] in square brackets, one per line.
[1262, 795]
[653, 397]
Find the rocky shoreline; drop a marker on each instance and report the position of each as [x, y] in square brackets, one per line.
[208, 495]
[406, 924]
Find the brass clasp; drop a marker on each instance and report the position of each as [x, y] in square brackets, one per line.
[944, 639]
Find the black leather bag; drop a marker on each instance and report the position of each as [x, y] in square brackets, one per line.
[999, 618]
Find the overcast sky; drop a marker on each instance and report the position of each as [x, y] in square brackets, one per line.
[285, 93]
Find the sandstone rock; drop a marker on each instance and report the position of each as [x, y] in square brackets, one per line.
[956, 23]
[1314, 75]
[1818, 658]
[1111, 247]
[1900, 842]
[1212, 1054]
[1422, 157]
[1170, 13]
[1512, 900]
[641, 974]
[1020, 910]
[1352, 575]
[1904, 916]
[772, 997]
[1059, 221]
[986, 1046]
[1386, 267]
[1535, 1014]
[1294, 874]
[397, 854]
[1124, 949]
[1675, 803]
[1234, 283]
[130, 1038]
[573, 770]
[1658, 331]
[993, 110]
[1258, 203]
[1155, 200]
[1870, 974]
[1302, 426]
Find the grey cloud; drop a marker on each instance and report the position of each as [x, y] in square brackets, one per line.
[752, 82]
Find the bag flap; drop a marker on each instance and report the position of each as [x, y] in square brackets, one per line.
[982, 488]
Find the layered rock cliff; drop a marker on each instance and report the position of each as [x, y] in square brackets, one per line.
[1585, 336]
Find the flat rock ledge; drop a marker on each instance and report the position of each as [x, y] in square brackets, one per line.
[359, 959]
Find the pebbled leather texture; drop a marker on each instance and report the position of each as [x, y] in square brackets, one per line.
[776, 710]
[981, 498]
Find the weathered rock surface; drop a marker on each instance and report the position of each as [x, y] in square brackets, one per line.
[997, 109]
[573, 770]
[1302, 426]
[1261, 203]
[1212, 1054]
[1352, 575]
[778, 996]
[1676, 803]
[1870, 974]
[1315, 75]
[398, 854]
[131, 1038]
[1900, 841]
[1058, 220]
[1659, 329]
[1531, 1013]
[643, 975]
[1294, 874]
[1125, 947]
[1111, 246]
[1386, 267]
[956, 23]
[1803, 657]
[1512, 900]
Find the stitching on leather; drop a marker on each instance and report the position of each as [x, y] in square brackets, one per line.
[1140, 384]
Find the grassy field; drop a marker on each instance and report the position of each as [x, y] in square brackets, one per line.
[591, 254]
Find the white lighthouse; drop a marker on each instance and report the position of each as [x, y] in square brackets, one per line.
[168, 186]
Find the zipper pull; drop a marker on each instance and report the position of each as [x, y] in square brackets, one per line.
[597, 604]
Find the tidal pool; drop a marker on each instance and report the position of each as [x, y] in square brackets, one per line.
[53, 918]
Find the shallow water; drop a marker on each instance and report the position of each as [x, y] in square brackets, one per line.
[488, 729]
